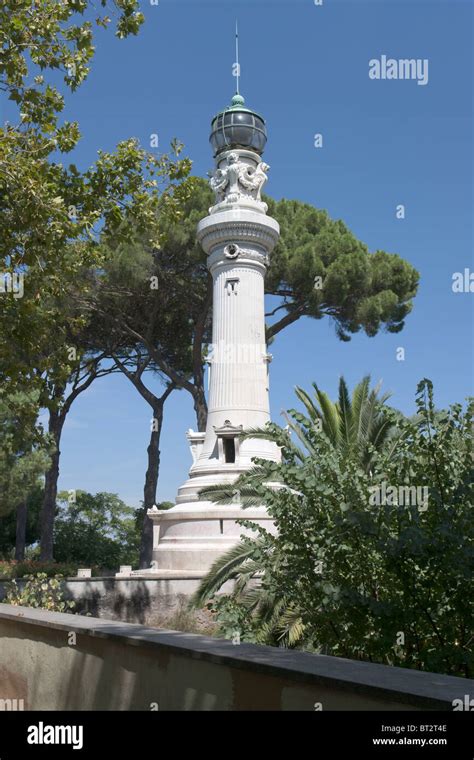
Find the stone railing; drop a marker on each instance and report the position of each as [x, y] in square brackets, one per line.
[52, 661]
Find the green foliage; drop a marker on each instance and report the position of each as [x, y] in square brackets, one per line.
[359, 290]
[24, 568]
[96, 530]
[139, 513]
[355, 425]
[171, 323]
[52, 215]
[24, 449]
[46, 34]
[157, 297]
[39, 591]
[351, 570]
[8, 523]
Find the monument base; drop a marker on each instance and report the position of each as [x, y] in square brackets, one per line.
[190, 537]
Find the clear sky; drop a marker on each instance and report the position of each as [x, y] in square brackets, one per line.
[385, 142]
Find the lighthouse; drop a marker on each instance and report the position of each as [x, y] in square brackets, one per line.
[238, 237]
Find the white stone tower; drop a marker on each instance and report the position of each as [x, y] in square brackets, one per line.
[238, 238]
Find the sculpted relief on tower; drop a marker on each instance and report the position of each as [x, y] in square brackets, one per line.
[240, 182]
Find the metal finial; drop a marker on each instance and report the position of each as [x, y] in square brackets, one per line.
[237, 56]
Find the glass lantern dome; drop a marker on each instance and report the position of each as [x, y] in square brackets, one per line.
[238, 127]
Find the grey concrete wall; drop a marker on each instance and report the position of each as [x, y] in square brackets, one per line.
[133, 600]
[58, 661]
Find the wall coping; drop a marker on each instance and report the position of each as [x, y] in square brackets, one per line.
[420, 689]
[148, 575]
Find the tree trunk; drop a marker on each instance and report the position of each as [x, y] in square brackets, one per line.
[20, 540]
[200, 407]
[151, 484]
[199, 396]
[153, 452]
[48, 509]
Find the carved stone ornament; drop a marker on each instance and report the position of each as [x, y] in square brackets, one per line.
[231, 251]
[239, 180]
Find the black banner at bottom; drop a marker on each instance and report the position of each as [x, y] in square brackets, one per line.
[125, 734]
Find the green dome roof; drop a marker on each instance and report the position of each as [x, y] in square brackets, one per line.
[237, 100]
[238, 104]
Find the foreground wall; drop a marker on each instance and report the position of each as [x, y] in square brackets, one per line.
[57, 661]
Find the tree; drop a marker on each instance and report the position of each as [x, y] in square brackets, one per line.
[155, 303]
[37, 211]
[157, 404]
[24, 449]
[57, 397]
[137, 312]
[157, 300]
[21, 529]
[52, 216]
[317, 269]
[95, 529]
[366, 564]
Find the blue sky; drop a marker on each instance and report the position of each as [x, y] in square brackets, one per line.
[305, 68]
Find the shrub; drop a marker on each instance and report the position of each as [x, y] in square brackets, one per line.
[373, 564]
[21, 569]
[39, 591]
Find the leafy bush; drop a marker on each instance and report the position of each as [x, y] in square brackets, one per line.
[39, 591]
[358, 568]
[17, 569]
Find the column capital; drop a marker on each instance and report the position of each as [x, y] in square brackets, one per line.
[236, 226]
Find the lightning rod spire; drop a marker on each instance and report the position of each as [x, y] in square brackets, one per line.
[237, 56]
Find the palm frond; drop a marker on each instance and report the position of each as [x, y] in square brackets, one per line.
[345, 413]
[329, 415]
[308, 402]
[300, 433]
[223, 569]
[359, 397]
[290, 626]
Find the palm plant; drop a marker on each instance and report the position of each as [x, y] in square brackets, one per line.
[356, 426]
[276, 621]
